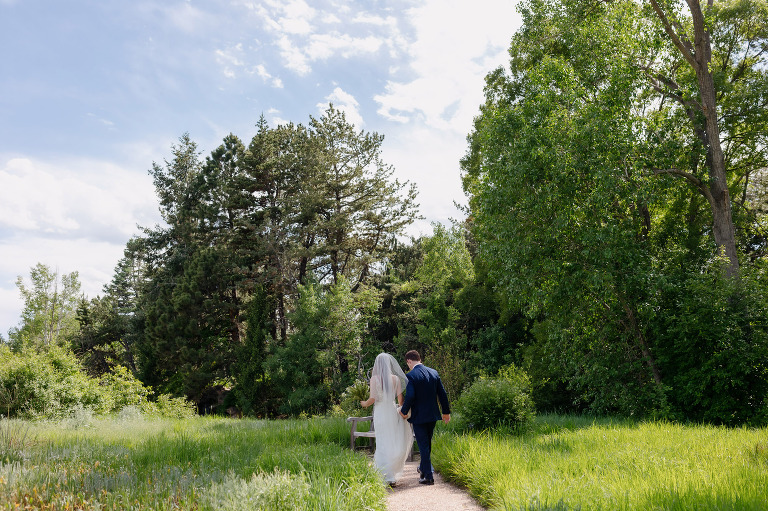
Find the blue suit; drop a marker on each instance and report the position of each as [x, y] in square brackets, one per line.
[422, 394]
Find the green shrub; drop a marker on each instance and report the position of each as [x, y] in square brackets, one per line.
[45, 384]
[175, 407]
[121, 388]
[52, 384]
[504, 400]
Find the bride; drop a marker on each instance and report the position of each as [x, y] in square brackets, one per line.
[394, 437]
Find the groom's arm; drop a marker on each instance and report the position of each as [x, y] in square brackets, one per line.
[442, 396]
[408, 400]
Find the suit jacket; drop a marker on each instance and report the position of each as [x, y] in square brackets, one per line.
[422, 394]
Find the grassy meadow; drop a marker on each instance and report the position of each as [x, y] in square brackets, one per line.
[587, 464]
[200, 463]
[562, 463]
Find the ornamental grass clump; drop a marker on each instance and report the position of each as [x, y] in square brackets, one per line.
[503, 400]
[277, 491]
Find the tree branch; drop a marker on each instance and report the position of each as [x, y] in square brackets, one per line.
[684, 46]
[695, 181]
[657, 80]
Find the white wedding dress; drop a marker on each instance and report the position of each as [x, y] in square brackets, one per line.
[394, 436]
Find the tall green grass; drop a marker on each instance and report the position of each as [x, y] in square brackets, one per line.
[200, 463]
[578, 463]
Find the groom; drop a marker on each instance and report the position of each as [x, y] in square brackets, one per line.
[422, 393]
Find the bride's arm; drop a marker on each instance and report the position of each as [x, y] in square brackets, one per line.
[398, 390]
[371, 399]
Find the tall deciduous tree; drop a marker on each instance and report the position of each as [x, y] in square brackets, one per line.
[50, 307]
[563, 176]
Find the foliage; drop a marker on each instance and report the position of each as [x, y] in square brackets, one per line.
[45, 384]
[500, 401]
[312, 369]
[351, 397]
[253, 388]
[715, 346]
[172, 407]
[583, 462]
[245, 228]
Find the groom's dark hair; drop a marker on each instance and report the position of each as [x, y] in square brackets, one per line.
[413, 355]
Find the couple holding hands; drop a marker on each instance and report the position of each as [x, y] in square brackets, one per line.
[419, 406]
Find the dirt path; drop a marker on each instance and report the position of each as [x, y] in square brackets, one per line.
[409, 495]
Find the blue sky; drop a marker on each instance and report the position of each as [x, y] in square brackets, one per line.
[93, 91]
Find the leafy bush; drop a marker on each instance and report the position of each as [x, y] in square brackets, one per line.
[53, 384]
[504, 400]
[122, 389]
[175, 407]
[713, 350]
[47, 384]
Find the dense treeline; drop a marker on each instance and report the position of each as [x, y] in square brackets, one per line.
[614, 246]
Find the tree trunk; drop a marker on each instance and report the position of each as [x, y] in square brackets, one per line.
[699, 56]
[720, 201]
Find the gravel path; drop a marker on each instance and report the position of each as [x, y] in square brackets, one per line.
[409, 495]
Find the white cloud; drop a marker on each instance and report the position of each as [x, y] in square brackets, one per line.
[262, 72]
[293, 17]
[456, 44]
[371, 19]
[305, 34]
[105, 122]
[430, 159]
[81, 198]
[228, 59]
[330, 19]
[344, 102]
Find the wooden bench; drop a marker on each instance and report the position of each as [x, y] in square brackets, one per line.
[354, 434]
